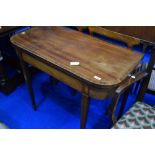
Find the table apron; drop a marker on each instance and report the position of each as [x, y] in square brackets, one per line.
[99, 93]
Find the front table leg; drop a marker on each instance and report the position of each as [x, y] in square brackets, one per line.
[84, 110]
[27, 77]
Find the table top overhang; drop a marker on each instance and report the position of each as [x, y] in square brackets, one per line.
[60, 46]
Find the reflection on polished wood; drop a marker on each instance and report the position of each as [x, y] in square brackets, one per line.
[51, 49]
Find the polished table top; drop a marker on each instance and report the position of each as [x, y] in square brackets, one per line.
[111, 64]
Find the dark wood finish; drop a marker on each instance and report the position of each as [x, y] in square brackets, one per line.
[81, 28]
[130, 41]
[124, 88]
[84, 110]
[96, 57]
[144, 86]
[51, 49]
[146, 33]
[27, 77]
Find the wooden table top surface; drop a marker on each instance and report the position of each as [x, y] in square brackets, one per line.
[60, 46]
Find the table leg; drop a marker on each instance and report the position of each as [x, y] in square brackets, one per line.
[27, 77]
[112, 109]
[84, 111]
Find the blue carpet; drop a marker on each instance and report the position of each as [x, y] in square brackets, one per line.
[57, 107]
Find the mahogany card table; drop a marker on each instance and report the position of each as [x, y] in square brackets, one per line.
[87, 64]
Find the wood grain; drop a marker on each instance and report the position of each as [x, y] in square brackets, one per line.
[60, 46]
